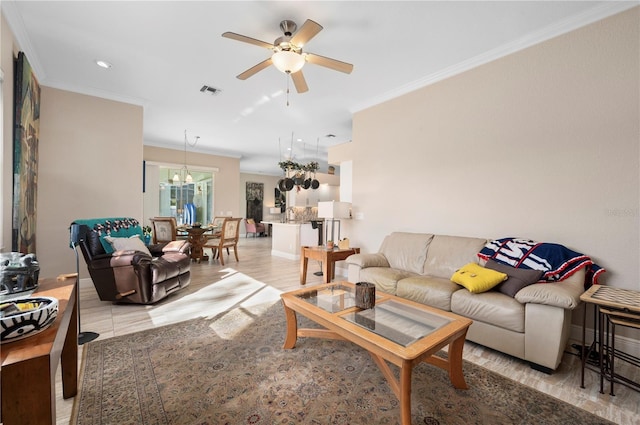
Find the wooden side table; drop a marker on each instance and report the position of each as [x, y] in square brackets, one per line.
[614, 307]
[29, 365]
[328, 257]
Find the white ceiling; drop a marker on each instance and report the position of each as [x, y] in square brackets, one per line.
[164, 52]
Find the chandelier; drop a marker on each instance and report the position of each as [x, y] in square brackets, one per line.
[183, 175]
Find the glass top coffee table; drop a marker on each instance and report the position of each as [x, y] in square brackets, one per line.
[396, 330]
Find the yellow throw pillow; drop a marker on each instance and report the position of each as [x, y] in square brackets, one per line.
[477, 279]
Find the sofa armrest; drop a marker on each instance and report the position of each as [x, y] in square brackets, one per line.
[565, 294]
[367, 260]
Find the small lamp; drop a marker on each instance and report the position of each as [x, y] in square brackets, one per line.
[332, 211]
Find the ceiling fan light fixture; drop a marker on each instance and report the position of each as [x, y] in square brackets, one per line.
[287, 61]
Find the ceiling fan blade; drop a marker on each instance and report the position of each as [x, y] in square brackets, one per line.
[254, 69]
[308, 30]
[330, 63]
[299, 82]
[245, 39]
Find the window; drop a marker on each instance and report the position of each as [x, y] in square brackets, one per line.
[170, 198]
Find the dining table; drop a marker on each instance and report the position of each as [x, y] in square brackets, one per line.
[197, 237]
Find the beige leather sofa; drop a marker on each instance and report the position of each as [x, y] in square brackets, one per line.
[533, 326]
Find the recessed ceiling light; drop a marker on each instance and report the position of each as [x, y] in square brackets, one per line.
[103, 64]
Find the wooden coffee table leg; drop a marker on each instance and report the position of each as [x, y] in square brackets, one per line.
[292, 328]
[455, 363]
[405, 393]
[304, 261]
[401, 388]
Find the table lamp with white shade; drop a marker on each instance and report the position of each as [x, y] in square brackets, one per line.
[332, 212]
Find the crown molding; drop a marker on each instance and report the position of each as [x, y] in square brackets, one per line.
[15, 22]
[103, 94]
[551, 31]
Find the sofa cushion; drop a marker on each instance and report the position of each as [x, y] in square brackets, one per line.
[490, 307]
[406, 251]
[385, 278]
[433, 291]
[476, 278]
[448, 253]
[518, 278]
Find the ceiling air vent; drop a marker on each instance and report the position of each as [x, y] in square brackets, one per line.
[210, 90]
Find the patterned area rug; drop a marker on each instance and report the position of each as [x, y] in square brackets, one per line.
[232, 370]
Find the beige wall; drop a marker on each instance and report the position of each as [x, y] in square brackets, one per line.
[541, 144]
[90, 150]
[6, 63]
[90, 159]
[226, 192]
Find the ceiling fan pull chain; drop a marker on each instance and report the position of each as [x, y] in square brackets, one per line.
[287, 77]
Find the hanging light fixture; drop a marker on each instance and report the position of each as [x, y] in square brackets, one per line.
[184, 175]
[288, 61]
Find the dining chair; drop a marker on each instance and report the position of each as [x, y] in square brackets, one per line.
[217, 224]
[164, 229]
[228, 238]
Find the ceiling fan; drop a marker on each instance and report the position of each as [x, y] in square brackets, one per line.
[287, 53]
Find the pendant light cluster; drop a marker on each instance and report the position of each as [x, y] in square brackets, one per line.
[298, 175]
[183, 175]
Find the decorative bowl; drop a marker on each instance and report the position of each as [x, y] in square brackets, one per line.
[21, 325]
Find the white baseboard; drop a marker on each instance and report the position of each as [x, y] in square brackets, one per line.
[623, 343]
[287, 255]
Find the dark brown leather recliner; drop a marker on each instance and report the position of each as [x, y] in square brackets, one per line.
[130, 276]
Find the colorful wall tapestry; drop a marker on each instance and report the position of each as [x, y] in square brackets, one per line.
[25, 157]
[255, 195]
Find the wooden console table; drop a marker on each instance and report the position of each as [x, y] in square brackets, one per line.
[328, 258]
[29, 365]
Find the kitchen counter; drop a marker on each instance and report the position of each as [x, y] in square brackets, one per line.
[288, 238]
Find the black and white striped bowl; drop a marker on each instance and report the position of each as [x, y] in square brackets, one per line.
[31, 322]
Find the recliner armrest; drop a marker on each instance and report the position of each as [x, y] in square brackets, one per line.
[156, 248]
[118, 259]
[128, 258]
[177, 246]
[368, 260]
